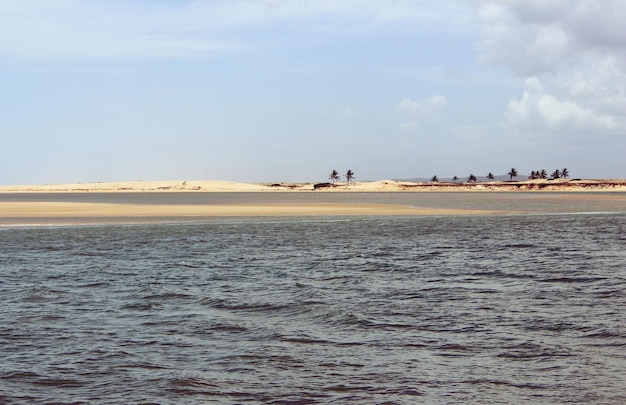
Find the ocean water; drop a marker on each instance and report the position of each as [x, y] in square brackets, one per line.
[504, 309]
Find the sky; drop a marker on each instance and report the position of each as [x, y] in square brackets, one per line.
[289, 90]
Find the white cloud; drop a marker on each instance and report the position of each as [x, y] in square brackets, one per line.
[573, 55]
[539, 110]
[599, 24]
[534, 36]
[408, 127]
[602, 85]
[528, 48]
[423, 107]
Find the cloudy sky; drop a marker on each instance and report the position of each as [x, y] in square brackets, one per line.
[288, 90]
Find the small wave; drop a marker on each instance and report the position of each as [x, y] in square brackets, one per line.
[41, 295]
[499, 274]
[554, 326]
[351, 388]
[353, 319]
[145, 366]
[227, 327]
[193, 386]
[428, 256]
[168, 296]
[530, 386]
[143, 306]
[305, 340]
[572, 279]
[42, 380]
[183, 265]
[520, 246]
[19, 375]
[222, 304]
[290, 400]
[53, 317]
[97, 284]
[454, 347]
[609, 294]
[607, 334]
[529, 350]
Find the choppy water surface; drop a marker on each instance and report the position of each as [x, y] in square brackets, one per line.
[434, 310]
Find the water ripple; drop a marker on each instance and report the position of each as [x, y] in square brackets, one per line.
[512, 309]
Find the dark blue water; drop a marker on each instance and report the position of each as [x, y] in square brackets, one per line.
[433, 310]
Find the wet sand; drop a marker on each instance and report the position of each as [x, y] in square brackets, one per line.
[12, 212]
[18, 211]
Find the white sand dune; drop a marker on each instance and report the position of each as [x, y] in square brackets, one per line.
[371, 186]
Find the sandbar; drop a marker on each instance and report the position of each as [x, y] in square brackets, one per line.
[50, 210]
[16, 211]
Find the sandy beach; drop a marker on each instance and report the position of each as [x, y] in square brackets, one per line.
[564, 185]
[80, 213]
[16, 210]
[95, 210]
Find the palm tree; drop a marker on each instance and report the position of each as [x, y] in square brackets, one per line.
[472, 178]
[434, 179]
[543, 174]
[454, 179]
[512, 173]
[490, 176]
[565, 173]
[349, 176]
[556, 174]
[539, 174]
[334, 176]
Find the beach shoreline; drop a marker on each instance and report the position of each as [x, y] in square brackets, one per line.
[561, 185]
[50, 213]
[43, 205]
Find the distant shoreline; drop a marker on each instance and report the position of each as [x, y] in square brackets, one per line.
[50, 209]
[560, 185]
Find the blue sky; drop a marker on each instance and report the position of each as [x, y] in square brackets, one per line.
[288, 90]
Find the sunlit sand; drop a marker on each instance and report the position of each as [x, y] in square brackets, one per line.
[95, 210]
[369, 186]
[14, 211]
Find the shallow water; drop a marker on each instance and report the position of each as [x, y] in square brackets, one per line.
[519, 202]
[435, 310]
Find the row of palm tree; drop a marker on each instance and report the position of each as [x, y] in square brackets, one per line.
[539, 174]
[543, 174]
[471, 178]
[334, 176]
